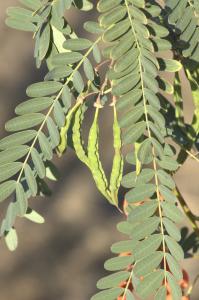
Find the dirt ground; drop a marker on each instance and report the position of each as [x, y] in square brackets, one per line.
[63, 258]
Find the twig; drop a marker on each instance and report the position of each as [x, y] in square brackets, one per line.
[187, 211]
[192, 155]
[192, 286]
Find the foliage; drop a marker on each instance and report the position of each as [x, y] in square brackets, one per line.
[133, 40]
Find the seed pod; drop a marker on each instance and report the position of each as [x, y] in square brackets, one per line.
[63, 133]
[76, 136]
[94, 161]
[138, 163]
[117, 168]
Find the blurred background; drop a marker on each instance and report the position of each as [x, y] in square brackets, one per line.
[63, 258]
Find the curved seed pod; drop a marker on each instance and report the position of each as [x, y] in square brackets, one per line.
[118, 162]
[63, 133]
[94, 161]
[76, 136]
[138, 163]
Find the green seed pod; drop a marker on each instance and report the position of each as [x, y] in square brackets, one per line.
[76, 135]
[94, 161]
[138, 163]
[118, 162]
[63, 133]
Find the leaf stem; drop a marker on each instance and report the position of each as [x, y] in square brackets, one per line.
[153, 150]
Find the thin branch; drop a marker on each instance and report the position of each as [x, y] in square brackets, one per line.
[187, 211]
[192, 286]
[192, 155]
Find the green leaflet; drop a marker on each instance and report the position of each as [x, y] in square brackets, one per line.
[148, 264]
[85, 6]
[131, 117]
[112, 16]
[125, 85]
[134, 133]
[44, 41]
[172, 211]
[131, 97]
[32, 4]
[116, 31]
[150, 284]
[118, 263]
[174, 267]
[18, 138]
[140, 192]
[96, 54]
[142, 212]
[42, 89]
[51, 171]
[33, 216]
[161, 294]
[31, 181]
[169, 65]
[129, 295]
[93, 27]
[24, 122]
[175, 289]
[59, 114]
[112, 280]
[174, 248]
[45, 146]
[123, 246]
[144, 229]
[21, 200]
[125, 227]
[53, 132]
[168, 163]
[38, 163]
[77, 44]
[104, 5]
[147, 246]
[19, 13]
[78, 82]
[66, 58]
[11, 239]
[132, 179]
[152, 98]
[6, 189]
[58, 73]
[10, 217]
[88, 69]
[166, 179]
[20, 24]
[125, 61]
[108, 294]
[172, 229]
[167, 194]
[12, 154]
[66, 97]
[144, 151]
[9, 169]
[33, 105]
